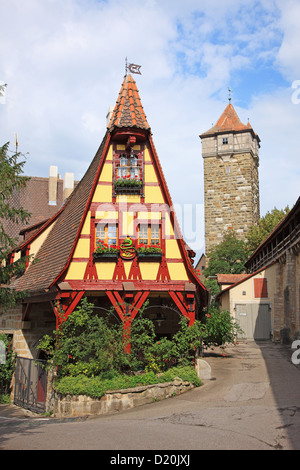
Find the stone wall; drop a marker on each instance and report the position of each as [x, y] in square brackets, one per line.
[231, 190]
[26, 334]
[115, 400]
[287, 298]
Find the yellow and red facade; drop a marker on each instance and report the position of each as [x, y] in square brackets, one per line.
[127, 213]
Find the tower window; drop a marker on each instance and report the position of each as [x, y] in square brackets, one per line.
[225, 140]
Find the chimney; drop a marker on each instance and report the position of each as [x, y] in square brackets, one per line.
[52, 185]
[109, 115]
[68, 185]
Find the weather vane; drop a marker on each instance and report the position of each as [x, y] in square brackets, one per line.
[229, 94]
[133, 68]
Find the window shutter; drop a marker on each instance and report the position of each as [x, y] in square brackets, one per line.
[260, 288]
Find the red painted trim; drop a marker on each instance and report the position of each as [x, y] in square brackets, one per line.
[140, 299]
[105, 285]
[114, 302]
[74, 303]
[119, 272]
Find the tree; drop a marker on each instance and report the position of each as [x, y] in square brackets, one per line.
[220, 327]
[11, 180]
[266, 224]
[228, 257]
[2, 89]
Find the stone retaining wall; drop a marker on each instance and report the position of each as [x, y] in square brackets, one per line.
[115, 400]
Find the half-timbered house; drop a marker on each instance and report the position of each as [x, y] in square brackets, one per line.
[116, 240]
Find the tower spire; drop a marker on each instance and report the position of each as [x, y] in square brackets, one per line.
[229, 94]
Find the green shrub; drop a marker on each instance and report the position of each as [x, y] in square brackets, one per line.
[219, 327]
[96, 387]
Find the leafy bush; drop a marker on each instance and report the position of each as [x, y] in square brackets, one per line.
[219, 328]
[96, 387]
[88, 351]
[85, 341]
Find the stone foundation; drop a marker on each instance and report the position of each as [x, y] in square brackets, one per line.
[115, 400]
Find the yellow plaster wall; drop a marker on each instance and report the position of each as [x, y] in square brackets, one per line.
[86, 225]
[106, 173]
[109, 215]
[172, 249]
[76, 271]
[128, 225]
[168, 226]
[149, 271]
[105, 271]
[149, 216]
[37, 242]
[153, 195]
[150, 175]
[82, 249]
[177, 272]
[147, 156]
[103, 193]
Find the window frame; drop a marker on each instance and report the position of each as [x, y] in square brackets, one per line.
[107, 237]
[128, 167]
[151, 234]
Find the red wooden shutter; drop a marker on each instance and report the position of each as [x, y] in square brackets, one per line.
[260, 288]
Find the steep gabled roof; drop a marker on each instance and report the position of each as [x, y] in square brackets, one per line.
[228, 122]
[128, 111]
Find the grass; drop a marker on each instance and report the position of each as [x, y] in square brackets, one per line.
[96, 387]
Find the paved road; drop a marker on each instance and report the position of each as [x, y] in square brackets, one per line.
[253, 403]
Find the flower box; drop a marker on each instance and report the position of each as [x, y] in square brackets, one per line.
[150, 256]
[128, 189]
[128, 185]
[105, 257]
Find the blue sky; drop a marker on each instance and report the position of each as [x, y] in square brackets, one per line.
[64, 64]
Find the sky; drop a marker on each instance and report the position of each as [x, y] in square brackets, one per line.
[64, 63]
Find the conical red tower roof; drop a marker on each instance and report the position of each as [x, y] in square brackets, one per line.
[128, 111]
[228, 122]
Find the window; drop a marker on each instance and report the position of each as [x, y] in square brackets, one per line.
[149, 234]
[107, 233]
[260, 288]
[225, 140]
[128, 167]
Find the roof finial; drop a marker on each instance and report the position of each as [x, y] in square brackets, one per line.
[133, 68]
[229, 94]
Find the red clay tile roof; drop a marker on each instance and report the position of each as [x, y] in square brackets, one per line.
[230, 278]
[34, 198]
[128, 111]
[228, 122]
